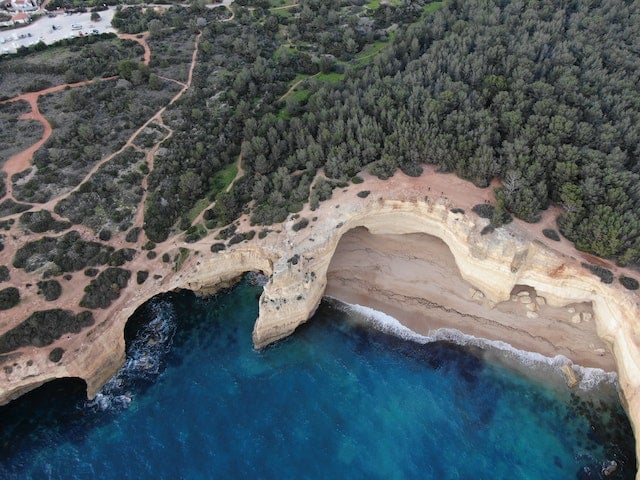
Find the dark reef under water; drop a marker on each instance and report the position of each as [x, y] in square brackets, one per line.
[337, 399]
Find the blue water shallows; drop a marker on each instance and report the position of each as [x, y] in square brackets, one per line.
[335, 400]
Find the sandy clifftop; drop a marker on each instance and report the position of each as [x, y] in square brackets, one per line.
[297, 264]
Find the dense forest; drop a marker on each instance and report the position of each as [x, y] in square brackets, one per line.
[542, 94]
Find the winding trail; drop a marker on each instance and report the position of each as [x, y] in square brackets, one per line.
[295, 85]
[141, 38]
[239, 174]
[22, 160]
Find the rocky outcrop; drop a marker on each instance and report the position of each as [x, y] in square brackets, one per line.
[297, 263]
[96, 354]
[493, 264]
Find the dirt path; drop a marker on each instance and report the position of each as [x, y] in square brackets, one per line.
[239, 174]
[295, 85]
[150, 158]
[141, 38]
[284, 7]
[22, 160]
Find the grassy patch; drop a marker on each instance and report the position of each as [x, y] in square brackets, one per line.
[197, 208]
[283, 12]
[369, 52]
[282, 114]
[302, 94]
[433, 7]
[281, 3]
[331, 77]
[217, 183]
[222, 179]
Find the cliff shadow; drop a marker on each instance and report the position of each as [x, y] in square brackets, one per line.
[28, 422]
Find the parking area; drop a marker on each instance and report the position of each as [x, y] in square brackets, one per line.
[50, 29]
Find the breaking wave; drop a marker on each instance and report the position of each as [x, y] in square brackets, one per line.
[589, 378]
[144, 360]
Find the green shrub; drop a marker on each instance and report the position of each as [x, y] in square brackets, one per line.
[629, 283]
[132, 235]
[364, 193]
[484, 210]
[166, 258]
[141, 276]
[149, 245]
[218, 247]
[488, 229]
[300, 225]
[9, 298]
[551, 234]
[91, 272]
[122, 256]
[4, 273]
[51, 289]
[55, 355]
[606, 275]
[457, 210]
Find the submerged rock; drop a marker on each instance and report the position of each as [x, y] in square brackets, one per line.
[570, 376]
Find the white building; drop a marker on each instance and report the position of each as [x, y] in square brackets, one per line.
[24, 5]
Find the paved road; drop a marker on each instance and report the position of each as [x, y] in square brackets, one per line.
[43, 29]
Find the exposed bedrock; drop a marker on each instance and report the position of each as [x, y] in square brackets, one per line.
[494, 264]
[297, 262]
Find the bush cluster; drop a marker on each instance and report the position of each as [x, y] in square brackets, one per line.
[9, 298]
[551, 234]
[105, 288]
[300, 224]
[51, 289]
[43, 328]
[69, 253]
[629, 283]
[605, 275]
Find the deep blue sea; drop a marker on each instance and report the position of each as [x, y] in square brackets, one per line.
[338, 399]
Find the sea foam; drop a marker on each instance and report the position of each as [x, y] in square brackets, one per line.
[144, 358]
[590, 378]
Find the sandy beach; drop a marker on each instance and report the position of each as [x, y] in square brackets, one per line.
[415, 279]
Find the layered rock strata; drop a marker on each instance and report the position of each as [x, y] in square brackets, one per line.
[297, 262]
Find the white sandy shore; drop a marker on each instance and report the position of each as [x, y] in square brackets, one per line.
[414, 278]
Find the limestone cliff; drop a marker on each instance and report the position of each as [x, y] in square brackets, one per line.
[297, 262]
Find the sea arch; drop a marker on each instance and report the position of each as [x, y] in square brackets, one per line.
[494, 264]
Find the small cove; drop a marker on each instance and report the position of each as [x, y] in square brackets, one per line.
[338, 398]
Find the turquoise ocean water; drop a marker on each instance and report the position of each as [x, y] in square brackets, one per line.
[338, 399]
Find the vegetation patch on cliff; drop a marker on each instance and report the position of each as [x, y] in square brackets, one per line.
[68, 253]
[105, 288]
[43, 328]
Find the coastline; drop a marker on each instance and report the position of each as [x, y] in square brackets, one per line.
[591, 383]
[296, 261]
[414, 279]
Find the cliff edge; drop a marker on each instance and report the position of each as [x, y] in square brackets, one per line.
[296, 262]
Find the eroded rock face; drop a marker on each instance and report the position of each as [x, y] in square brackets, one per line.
[493, 264]
[297, 263]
